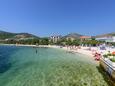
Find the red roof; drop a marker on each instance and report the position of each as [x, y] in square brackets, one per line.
[85, 37]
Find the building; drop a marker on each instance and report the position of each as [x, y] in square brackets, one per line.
[70, 38]
[106, 38]
[83, 38]
[55, 38]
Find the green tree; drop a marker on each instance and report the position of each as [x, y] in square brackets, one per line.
[44, 41]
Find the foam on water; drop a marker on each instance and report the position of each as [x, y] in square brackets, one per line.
[47, 67]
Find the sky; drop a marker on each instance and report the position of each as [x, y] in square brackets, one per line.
[58, 17]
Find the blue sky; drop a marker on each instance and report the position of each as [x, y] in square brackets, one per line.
[47, 17]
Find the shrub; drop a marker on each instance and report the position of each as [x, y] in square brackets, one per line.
[109, 54]
[112, 59]
[105, 56]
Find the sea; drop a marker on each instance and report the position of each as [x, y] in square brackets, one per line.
[28, 66]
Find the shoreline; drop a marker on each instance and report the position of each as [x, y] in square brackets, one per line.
[88, 51]
[83, 50]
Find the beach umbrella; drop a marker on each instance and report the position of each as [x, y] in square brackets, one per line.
[113, 52]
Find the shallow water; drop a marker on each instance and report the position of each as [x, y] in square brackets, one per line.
[26, 66]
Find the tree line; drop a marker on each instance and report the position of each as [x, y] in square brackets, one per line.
[62, 42]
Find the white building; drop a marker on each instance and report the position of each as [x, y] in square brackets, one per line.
[106, 39]
[55, 38]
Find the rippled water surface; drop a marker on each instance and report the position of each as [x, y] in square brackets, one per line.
[27, 66]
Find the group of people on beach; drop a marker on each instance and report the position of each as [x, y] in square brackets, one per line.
[95, 54]
[73, 47]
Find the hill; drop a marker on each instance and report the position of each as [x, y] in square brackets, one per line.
[105, 35]
[4, 35]
[9, 35]
[73, 35]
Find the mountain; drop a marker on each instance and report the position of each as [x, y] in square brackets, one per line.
[73, 35]
[4, 35]
[25, 35]
[9, 35]
[105, 35]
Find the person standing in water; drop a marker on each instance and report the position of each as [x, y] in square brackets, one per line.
[36, 51]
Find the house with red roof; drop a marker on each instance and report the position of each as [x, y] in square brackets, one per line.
[82, 38]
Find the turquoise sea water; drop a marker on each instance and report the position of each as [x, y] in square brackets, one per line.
[27, 66]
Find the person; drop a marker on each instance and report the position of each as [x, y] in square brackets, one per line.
[109, 52]
[97, 56]
[36, 51]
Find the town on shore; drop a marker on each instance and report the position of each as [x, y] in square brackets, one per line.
[70, 39]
